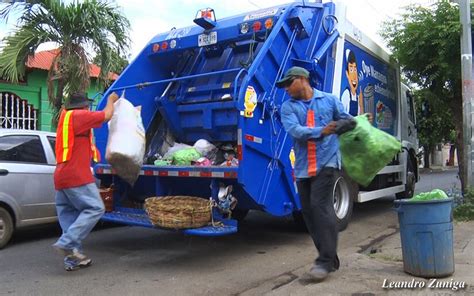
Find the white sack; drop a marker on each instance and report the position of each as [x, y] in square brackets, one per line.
[126, 142]
[204, 147]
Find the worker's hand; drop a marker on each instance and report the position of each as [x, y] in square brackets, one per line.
[329, 129]
[113, 97]
[370, 117]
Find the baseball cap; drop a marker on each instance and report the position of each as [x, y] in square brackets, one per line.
[290, 74]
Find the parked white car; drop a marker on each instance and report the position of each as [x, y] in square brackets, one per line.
[27, 164]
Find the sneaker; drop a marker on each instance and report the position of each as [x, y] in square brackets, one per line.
[317, 273]
[76, 260]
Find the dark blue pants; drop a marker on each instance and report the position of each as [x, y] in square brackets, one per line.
[316, 195]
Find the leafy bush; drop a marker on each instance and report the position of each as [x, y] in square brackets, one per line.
[465, 209]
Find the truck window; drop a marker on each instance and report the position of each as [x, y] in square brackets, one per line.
[22, 148]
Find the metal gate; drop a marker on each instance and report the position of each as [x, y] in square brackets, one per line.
[15, 112]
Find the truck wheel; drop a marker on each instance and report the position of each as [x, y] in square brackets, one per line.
[6, 227]
[239, 214]
[299, 221]
[410, 185]
[343, 196]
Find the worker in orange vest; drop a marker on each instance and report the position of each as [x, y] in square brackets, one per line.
[78, 201]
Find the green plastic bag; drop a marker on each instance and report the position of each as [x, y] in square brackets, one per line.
[162, 162]
[432, 195]
[366, 150]
[185, 156]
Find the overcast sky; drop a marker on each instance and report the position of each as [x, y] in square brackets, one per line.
[148, 17]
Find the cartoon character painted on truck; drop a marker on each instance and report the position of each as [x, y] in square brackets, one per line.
[352, 102]
[368, 85]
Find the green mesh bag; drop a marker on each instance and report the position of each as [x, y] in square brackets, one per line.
[366, 150]
[185, 156]
[432, 195]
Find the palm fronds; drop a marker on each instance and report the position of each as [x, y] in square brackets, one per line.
[79, 29]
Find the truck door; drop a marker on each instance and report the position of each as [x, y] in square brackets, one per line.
[409, 133]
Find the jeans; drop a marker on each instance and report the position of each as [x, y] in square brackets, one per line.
[316, 195]
[79, 209]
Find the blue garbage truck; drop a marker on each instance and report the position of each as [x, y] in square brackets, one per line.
[215, 81]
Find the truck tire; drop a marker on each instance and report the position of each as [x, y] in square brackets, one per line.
[239, 214]
[344, 193]
[6, 227]
[299, 221]
[410, 185]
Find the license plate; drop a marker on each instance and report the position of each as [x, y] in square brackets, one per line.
[207, 39]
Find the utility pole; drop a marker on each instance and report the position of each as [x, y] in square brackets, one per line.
[467, 88]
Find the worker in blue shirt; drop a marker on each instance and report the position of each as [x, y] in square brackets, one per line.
[310, 116]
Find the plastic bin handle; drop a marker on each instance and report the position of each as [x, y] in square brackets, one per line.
[397, 208]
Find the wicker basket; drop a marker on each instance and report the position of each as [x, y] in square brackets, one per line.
[107, 195]
[178, 212]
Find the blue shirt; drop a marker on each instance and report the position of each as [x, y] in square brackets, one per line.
[294, 116]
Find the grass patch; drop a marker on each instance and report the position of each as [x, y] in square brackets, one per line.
[464, 211]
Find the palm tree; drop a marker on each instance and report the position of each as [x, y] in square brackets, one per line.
[95, 25]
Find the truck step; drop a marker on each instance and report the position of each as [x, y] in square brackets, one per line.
[128, 216]
[223, 227]
[138, 217]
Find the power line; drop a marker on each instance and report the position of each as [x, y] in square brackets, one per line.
[379, 12]
[251, 2]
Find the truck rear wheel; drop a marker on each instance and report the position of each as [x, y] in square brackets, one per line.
[239, 214]
[343, 196]
[299, 221]
[410, 185]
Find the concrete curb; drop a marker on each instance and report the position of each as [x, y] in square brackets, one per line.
[437, 169]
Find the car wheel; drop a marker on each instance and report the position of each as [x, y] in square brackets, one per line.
[6, 227]
[410, 185]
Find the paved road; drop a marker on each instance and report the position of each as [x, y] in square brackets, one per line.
[140, 261]
[438, 179]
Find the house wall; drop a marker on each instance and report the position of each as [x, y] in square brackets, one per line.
[35, 91]
[440, 155]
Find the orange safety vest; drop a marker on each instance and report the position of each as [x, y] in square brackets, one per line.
[65, 139]
[312, 159]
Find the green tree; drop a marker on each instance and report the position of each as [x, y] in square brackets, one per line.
[426, 43]
[119, 62]
[78, 28]
[434, 121]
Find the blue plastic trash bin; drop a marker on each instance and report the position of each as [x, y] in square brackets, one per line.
[426, 231]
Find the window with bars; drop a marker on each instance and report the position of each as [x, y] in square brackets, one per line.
[15, 112]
